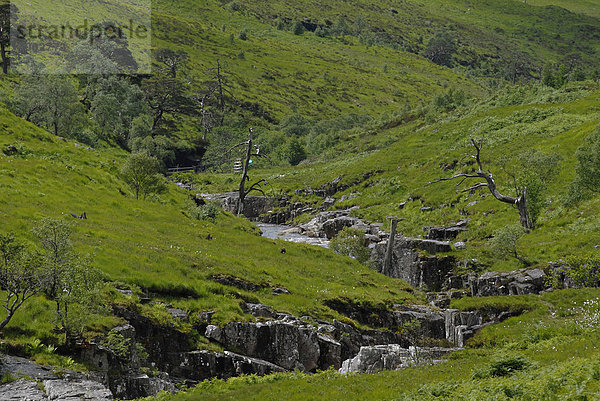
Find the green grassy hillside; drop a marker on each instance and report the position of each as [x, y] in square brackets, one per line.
[512, 122]
[154, 245]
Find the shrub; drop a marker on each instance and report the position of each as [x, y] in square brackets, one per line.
[208, 212]
[321, 32]
[298, 28]
[503, 365]
[243, 35]
[584, 270]
[351, 242]
[504, 242]
[441, 48]
[295, 152]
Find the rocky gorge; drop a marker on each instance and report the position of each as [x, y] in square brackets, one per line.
[151, 357]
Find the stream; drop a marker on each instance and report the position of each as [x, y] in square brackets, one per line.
[279, 231]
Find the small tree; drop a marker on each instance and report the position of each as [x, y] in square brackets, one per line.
[441, 48]
[21, 277]
[68, 277]
[295, 152]
[504, 242]
[351, 242]
[141, 173]
[588, 164]
[298, 28]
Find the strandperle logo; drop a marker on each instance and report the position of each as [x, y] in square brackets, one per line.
[70, 36]
[85, 31]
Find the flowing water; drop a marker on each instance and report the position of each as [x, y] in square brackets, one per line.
[278, 231]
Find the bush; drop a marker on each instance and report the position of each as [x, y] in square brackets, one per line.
[208, 212]
[450, 100]
[295, 152]
[503, 365]
[441, 48]
[351, 242]
[243, 35]
[298, 28]
[587, 180]
[584, 270]
[504, 242]
[321, 32]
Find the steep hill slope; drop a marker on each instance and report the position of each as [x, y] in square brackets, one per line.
[155, 245]
[513, 123]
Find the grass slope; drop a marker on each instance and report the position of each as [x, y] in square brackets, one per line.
[154, 245]
[411, 154]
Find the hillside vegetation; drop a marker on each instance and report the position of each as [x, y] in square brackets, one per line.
[385, 98]
[155, 244]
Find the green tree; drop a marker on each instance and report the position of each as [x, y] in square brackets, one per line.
[55, 237]
[69, 278]
[295, 152]
[441, 48]
[504, 242]
[50, 101]
[548, 78]
[114, 105]
[534, 170]
[587, 179]
[166, 96]
[141, 173]
[9, 248]
[22, 277]
[298, 28]
[351, 242]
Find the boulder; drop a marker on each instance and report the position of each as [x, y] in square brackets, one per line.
[332, 227]
[445, 233]
[259, 310]
[518, 282]
[254, 206]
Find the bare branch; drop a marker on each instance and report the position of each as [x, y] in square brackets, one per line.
[474, 187]
[236, 146]
[454, 177]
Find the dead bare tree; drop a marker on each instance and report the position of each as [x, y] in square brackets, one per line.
[519, 201]
[257, 186]
[221, 87]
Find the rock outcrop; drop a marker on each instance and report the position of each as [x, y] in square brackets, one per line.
[420, 271]
[254, 206]
[392, 357]
[201, 365]
[70, 386]
[289, 344]
[518, 282]
[446, 233]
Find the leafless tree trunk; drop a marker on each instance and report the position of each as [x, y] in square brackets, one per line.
[387, 264]
[242, 191]
[520, 201]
